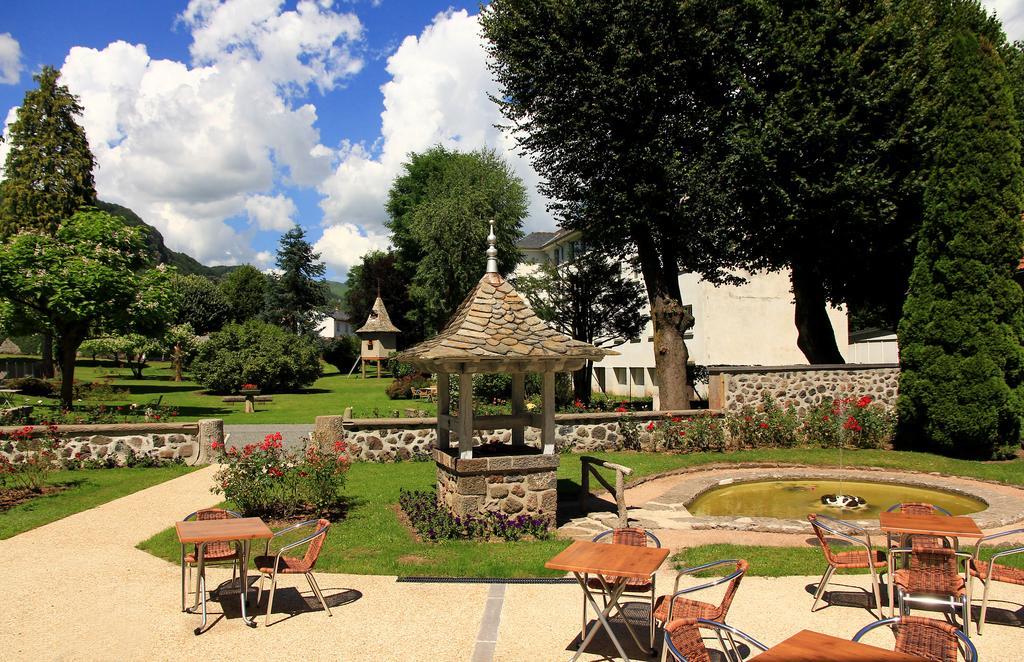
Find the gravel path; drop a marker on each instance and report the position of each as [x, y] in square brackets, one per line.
[77, 589]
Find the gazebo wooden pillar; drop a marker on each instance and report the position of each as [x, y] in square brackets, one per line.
[495, 331]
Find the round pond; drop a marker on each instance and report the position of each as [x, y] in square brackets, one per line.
[794, 499]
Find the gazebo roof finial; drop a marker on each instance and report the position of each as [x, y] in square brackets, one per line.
[492, 251]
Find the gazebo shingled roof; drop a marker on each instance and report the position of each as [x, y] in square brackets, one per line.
[496, 328]
[379, 321]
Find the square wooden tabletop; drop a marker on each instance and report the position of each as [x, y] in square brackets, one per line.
[932, 525]
[609, 559]
[810, 646]
[222, 530]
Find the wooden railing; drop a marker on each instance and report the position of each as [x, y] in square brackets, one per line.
[589, 466]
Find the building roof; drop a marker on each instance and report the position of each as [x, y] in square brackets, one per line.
[496, 330]
[535, 240]
[378, 321]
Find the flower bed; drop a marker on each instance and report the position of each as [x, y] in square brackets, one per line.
[434, 523]
[265, 480]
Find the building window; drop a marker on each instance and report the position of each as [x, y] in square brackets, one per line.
[620, 376]
[369, 344]
[637, 375]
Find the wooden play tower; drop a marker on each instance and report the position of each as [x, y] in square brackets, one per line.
[379, 338]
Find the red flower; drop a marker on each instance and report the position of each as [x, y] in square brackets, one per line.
[763, 425]
[620, 409]
[340, 446]
[215, 445]
[676, 419]
[852, 425]
[650, 426]
[275, 472]
[864, 401]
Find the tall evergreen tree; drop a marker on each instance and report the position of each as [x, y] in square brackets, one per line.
[962, 379]
[245, 289]
[48, 170]
[298, 296]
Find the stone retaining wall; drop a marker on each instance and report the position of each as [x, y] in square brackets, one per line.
[390, 439]
[730, 388]
[85, 442]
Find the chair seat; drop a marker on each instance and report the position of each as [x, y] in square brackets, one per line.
[859, 559]
[212, 556]
[632, 586]
[686, 608]
[1000, 573]
[288, 565]
[940, 583]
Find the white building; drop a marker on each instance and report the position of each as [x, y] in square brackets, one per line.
[335, 325]
[750, 324]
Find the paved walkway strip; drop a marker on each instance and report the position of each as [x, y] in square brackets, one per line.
[487, 637]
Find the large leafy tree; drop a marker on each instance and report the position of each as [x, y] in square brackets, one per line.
[204, 306]
[378, 274]
[298, 296]
[962, 378]
[622, 105]
[245, 289]
[90, 277]
[438, 211]
[588, 299]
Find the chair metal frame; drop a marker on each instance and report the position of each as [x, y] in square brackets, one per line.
[830, 527]
[719, 628]
[277, 561]
[955, 544]
[676, 591]
[626, 591]
[987, 581]
[234, 561]
[902, 597]
[899, 506]
[969, 650]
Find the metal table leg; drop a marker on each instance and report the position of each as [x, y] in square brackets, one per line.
[200, 584]
[613, 601]
[244, 588]
[602, 616]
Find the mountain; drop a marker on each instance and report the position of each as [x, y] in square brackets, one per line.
[186, 264]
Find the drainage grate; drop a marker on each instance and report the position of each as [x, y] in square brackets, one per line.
[486, 580]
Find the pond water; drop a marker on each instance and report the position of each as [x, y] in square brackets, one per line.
[794, 499]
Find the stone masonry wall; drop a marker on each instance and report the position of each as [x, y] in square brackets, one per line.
[387, 440]
[730, 389]
[178, 441]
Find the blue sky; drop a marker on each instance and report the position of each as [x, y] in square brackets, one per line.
[221, 122]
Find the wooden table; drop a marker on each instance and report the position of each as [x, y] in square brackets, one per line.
[810, 646]
[613, 565]
[203, 532]
[929, 525]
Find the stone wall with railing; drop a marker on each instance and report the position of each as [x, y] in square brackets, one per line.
[390, 439]
[731, 388]
[164, 441]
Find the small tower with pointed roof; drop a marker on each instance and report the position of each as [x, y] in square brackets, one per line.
[379, 338]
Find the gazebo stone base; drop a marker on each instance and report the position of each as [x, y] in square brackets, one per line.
[520, 480]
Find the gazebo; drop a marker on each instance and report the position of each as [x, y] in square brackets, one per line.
[494, 330]
[379, 338]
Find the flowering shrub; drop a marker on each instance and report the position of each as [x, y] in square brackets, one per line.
[250, 387]
[37, 458]
[434, 522]
[704, 432]
[766, 426]
[849, 421]
[266, 480]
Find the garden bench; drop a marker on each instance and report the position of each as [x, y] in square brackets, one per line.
[16, 413]
[241, 398]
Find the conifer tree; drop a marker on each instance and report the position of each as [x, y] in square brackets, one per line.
[298, 296]
[962, 379]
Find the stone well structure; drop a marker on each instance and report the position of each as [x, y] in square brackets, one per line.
[495, 330]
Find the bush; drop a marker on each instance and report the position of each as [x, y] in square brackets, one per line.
[399, 369]
[31, 386]
[767, 426]
[340, 352]
[434, 523]
[702, 433]
[38, 455]
[265, 480]
[256, 353]
[488, 387]
[401, 389]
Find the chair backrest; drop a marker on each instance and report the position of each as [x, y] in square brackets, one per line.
[918, 508]
[820, 532]
[317, 543]
[734, 584]
[684, 643]
[926, 638]
[938, 560]
[629, 535]
[213, 548]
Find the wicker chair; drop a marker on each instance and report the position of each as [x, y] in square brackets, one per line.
[874, 560]
[673, 607]
[684, 642]
[272, 566]
[216, 552]
[918, 508]
[990, 571]
[926, 638]
[637, 537]
[932, 577]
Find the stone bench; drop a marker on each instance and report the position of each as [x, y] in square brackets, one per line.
[241, 398]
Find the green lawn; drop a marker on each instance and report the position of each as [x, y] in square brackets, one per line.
[88, 488]
[328, 395]
[372, 540]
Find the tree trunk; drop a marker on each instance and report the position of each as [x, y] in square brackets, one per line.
[815, 336]
[69, 344]
[671, 320]
[581, 383]
[46, 353]
[177, 362]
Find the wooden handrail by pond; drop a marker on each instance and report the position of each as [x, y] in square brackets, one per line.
[589, 466]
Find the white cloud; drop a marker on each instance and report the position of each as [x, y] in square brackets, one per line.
[438, 93]
[342, 246]
[10, 59]
[189, 146]
[1012, 14]
[271, 212]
